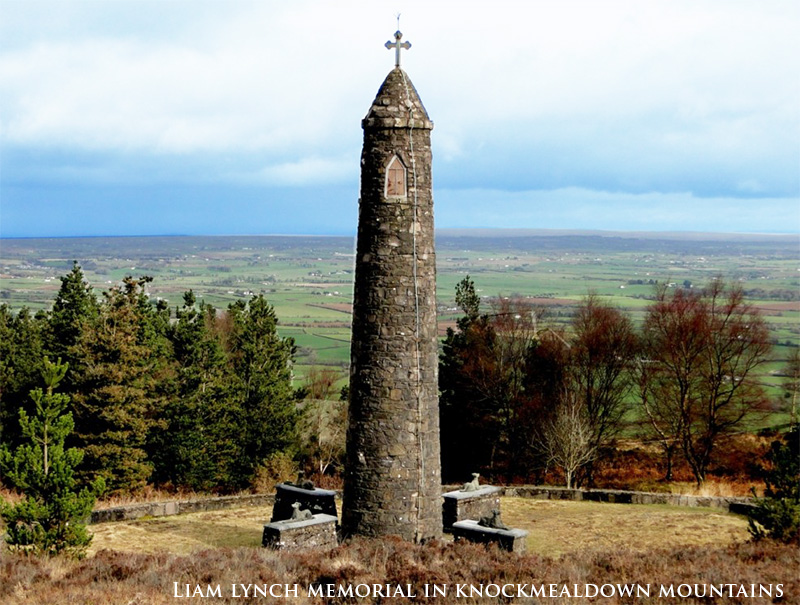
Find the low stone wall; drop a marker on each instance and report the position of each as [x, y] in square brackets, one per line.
[177, 507]
[737, 505]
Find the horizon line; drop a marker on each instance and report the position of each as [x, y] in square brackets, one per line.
[459, 231]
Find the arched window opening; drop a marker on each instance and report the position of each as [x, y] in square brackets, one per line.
[395, 178]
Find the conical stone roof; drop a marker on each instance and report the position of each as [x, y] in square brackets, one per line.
[397, 105]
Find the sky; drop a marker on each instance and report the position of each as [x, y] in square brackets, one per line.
[236, 117]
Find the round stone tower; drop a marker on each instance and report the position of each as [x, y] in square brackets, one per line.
[393, 474]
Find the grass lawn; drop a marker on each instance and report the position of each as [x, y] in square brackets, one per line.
[555, 528]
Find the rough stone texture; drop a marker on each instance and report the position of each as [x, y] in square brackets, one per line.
[459, 506]
[317, 532]
[742, 508]
[316, 500]
[731, 504]
[393, 471]
[512, 540]
[176, 507]
[738, 505]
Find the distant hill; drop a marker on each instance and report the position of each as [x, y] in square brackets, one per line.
[651, 235]
[543, 240]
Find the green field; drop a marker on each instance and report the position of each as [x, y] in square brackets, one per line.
[309, 279]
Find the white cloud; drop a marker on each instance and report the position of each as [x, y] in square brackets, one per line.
[266, 75]
[257, 78]
[674, 95]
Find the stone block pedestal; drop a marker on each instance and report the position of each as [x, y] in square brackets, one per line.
[317, 532]
[459, 506]
[512, 540]
[316, 500]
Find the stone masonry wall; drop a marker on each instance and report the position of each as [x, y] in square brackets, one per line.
[392, 482]
[178, 507]
[738, 505]
[459, 506]
[317, 532]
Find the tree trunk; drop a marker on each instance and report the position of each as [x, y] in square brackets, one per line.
[669, 453]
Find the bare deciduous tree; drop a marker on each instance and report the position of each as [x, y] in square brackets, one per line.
[568, 439]
[325, 419]
[791, 382]
[661, 411]
[601, 352]
[697, 381]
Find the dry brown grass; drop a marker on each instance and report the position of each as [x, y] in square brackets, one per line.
[10, 496]
[555, 528]
[183, 534]
[113, 577]
[564, 527]
[569, 543]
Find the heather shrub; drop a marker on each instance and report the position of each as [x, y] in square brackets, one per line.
[115, 577]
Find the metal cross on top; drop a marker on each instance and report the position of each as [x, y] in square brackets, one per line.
[397, 45]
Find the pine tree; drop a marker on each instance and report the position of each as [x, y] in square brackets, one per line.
[777, 514]
[234, 405]
[74, 306]
[50, 520]
[197, 446]
[484, 411]
[117, 394]
[465, 417]
[262, 364]
[21, 354]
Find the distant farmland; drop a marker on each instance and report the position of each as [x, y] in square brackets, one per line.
[309, 279]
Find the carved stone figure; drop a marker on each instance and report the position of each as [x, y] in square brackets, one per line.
[492, 521]
[299, 514]
[472, 486]
[302, 482]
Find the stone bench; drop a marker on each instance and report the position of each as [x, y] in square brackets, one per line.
[318, 501]
[317, 532]
[459, 505]
[512, 540]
